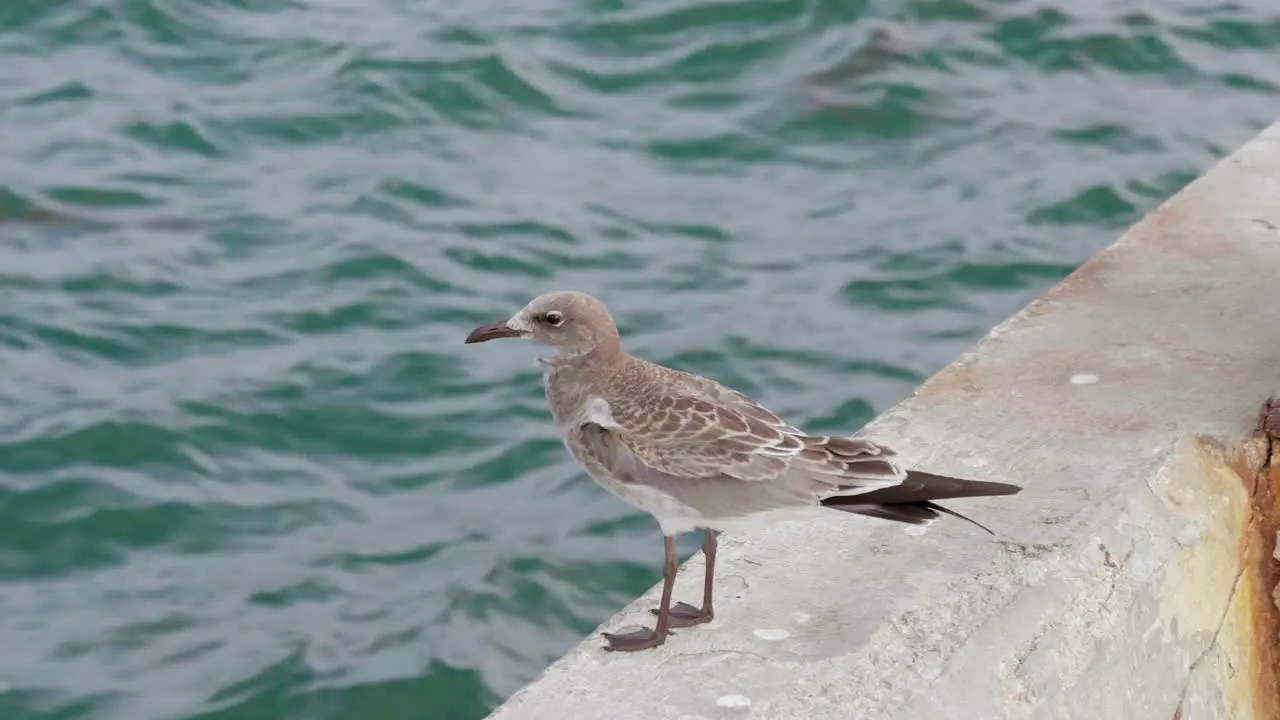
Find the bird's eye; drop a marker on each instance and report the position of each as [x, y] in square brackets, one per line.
[555, 318]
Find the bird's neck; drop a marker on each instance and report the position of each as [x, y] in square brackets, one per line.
[604, 353]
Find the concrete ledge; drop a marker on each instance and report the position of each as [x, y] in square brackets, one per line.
[1137, 573]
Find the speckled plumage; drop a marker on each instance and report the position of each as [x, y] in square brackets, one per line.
[686, 449]
[696, 454]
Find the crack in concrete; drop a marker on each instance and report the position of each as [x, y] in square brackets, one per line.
[1217, 631]
[1015, 671]
[1267, 427]
[1242, 566]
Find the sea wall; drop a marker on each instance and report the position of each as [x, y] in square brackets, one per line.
[1135, 576]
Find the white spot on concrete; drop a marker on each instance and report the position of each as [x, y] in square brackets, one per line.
[690, 717]
[771, 634]
[975, 462]
[801, 617]
[1084, 379]
[733, 701]
[917, 530]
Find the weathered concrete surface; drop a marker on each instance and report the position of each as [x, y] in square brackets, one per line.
[1134, 578]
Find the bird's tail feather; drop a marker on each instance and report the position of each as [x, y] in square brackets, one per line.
[912, 500]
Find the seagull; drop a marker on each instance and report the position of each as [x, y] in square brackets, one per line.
[697, 455]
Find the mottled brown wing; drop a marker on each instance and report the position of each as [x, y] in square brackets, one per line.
[690, 436]
[708, 430]
[712, 495]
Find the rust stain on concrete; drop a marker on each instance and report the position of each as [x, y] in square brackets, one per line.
[1255, 611]
[1263, 566]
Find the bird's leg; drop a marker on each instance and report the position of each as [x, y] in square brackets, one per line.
[684, 614]
[645, 638]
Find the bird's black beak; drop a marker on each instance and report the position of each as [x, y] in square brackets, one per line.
[492, 331]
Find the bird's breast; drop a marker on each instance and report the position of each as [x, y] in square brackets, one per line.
[565, 397]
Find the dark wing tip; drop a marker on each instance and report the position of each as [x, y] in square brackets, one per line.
[928, 486]
[909, 513]
[938, 508]
[914, 513]
[912, 500]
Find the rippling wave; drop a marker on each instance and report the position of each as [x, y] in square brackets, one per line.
[247, 468]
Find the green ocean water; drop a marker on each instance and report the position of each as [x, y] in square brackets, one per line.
[248, 470]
